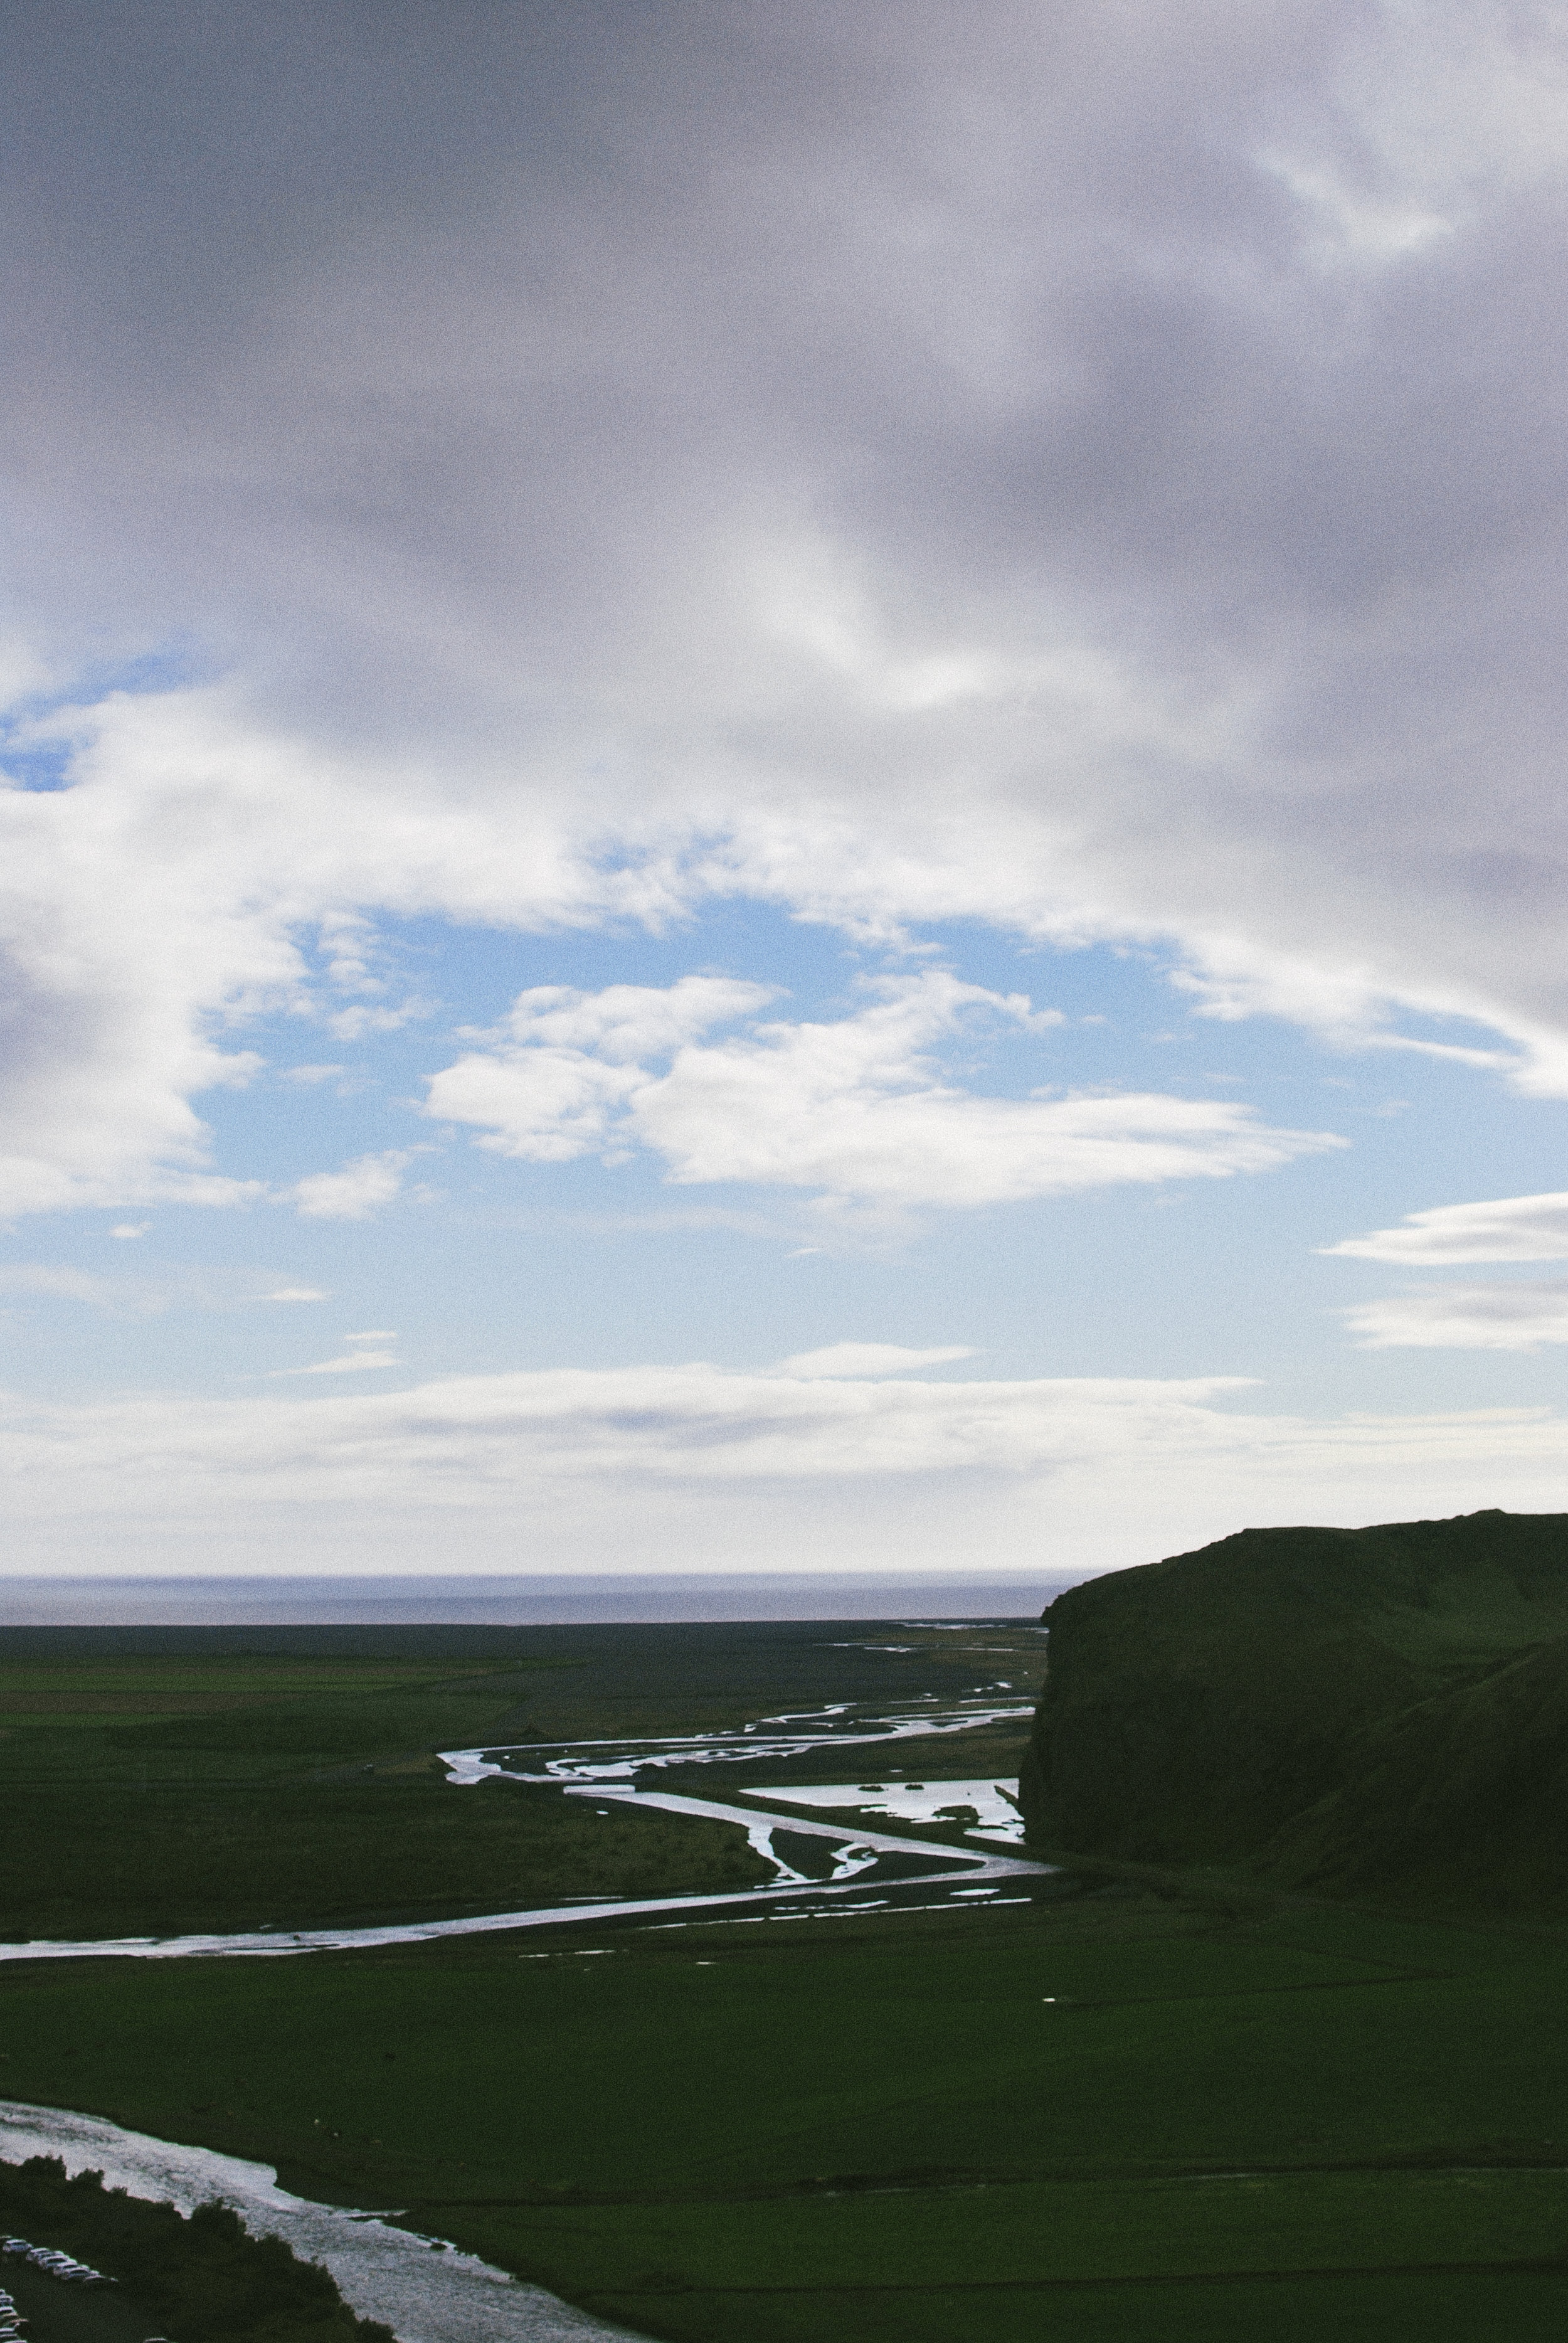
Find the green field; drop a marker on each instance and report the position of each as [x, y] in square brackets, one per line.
[1279, 2121]
[1135, 2104]
[154, 1785]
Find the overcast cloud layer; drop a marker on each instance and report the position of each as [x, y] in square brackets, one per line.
[1085, 474]
[788, 1470]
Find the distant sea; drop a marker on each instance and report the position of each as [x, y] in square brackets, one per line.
[513, 1602]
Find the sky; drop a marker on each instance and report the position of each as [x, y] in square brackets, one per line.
[781, 788]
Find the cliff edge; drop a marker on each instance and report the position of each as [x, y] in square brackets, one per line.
[1378, 1710]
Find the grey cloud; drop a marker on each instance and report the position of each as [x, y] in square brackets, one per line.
[453, 379]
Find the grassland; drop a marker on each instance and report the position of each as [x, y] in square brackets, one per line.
[1176, 2106]
[153, 1794]
[198, 1780]
[1224, 2121]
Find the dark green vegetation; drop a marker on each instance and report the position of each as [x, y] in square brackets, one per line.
[155, 1782]
[1233, 2119]
[1132, 2107]
[1379, 1712]
[203, 2279]
[158, 1783]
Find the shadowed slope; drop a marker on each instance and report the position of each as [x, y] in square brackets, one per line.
[1357, 1710]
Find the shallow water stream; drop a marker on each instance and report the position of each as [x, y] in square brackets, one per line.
[425, 2291]
[610, 1770]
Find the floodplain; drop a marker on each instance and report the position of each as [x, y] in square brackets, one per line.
[921, 2100]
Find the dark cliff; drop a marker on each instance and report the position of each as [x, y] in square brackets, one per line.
[1381, 1710]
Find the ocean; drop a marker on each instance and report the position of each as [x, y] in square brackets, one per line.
[517, 1601]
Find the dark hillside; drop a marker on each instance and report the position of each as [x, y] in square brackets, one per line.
[1460, 1798]
[1354, 1709]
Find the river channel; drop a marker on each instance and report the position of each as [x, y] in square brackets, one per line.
[867, 1870]
[425, 2289]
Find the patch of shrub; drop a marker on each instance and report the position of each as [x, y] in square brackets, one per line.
[202, 2280]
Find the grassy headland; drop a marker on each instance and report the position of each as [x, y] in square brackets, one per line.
[1370, 1711]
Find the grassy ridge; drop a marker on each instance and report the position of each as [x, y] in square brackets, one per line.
[1382, 1709]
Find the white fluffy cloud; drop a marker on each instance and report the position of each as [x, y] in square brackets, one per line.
[1511, 1228]
[165, 897]
[857, 1109]
[693, 1467]
[625, 1023]
[568, 1069]
[360, 1189]
[1465, 1318]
